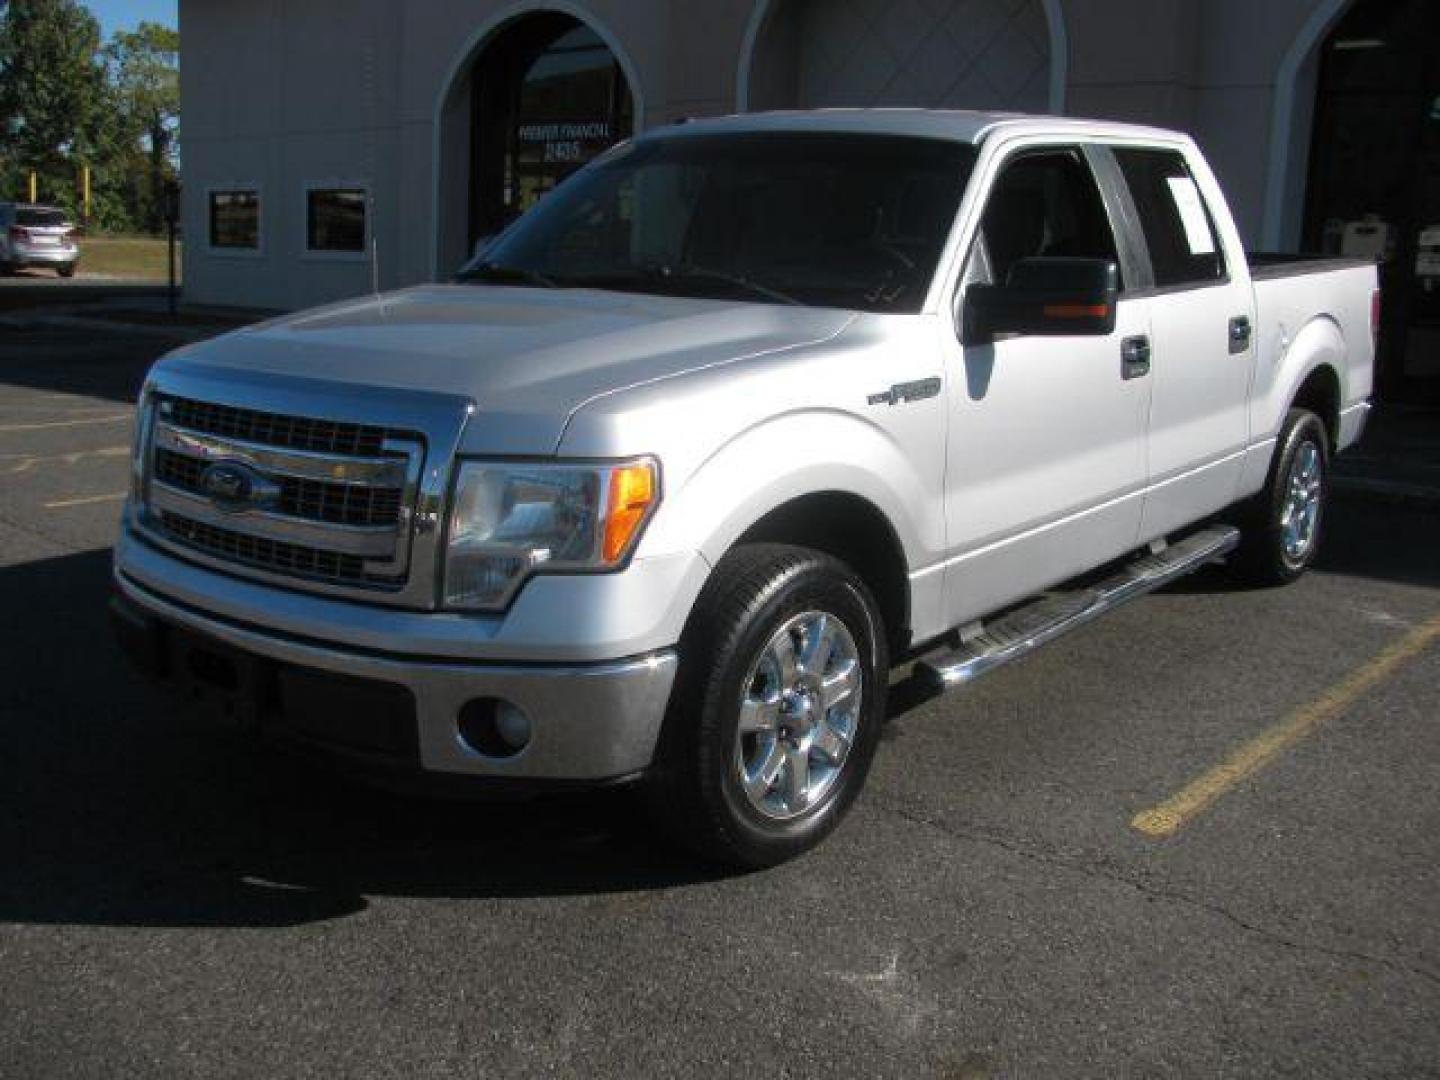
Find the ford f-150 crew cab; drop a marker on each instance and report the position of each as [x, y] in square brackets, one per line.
[658, 487]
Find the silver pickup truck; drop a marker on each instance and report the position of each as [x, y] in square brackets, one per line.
[658, 489]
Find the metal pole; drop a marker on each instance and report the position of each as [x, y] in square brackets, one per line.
[170, 245]
[172, 211]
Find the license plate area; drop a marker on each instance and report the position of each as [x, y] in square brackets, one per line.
[240, 685]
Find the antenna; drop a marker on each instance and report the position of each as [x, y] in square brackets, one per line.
[374, 244]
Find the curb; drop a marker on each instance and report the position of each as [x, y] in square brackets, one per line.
[111, 326]
[1395, 492]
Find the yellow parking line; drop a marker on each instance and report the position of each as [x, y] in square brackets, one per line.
[113, 419]
[1168, 817]
[14, 464]
[77, 410]
[60, 504]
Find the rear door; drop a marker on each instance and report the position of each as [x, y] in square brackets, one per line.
[1045, 462]
[1202, 322]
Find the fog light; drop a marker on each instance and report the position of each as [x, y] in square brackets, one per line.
[494, 727]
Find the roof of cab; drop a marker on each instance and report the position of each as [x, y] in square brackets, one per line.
[955, 124]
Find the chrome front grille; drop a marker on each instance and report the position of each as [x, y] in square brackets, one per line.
[315, 500]
[294, 496]
[264, 554]
[279, 430]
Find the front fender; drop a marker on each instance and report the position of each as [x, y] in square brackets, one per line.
[792, 455]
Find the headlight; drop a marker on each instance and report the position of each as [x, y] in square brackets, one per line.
[512, 520]
[140, 441]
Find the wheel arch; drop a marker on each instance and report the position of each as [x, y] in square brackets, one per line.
[1319, 392]
[854, 530]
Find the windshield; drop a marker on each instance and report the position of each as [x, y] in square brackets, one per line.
[40, 217]
[823, 219]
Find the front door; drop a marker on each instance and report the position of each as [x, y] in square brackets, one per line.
[1046, 464]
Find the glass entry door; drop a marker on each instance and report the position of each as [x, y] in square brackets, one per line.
[549, 97]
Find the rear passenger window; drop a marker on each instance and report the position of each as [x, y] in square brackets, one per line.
[1045, 203]
[1179, 231]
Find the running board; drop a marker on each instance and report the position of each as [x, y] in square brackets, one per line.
[1027, 628]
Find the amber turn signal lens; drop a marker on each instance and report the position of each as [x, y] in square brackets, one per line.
[1076, 311]
[632, 493]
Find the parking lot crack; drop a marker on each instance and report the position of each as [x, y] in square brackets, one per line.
[1150, 891]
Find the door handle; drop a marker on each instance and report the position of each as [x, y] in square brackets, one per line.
[1239, 334]
[1135, 357]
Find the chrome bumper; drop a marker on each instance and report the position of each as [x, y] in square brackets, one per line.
[591, 722]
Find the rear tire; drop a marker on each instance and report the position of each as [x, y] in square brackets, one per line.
[776, 710]
[66, 271]
[1281, 532]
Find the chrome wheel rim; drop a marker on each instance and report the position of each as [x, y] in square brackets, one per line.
[799, 711]
[1300, 513]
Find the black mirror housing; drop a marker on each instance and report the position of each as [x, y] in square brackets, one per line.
[1055, 296]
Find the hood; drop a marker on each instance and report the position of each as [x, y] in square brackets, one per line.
[528, 358]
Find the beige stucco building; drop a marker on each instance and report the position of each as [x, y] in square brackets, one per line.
[333, 144]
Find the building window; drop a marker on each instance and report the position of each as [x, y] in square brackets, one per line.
[235, 220]
[335, 219]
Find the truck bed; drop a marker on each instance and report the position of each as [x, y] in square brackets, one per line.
[1267, 265]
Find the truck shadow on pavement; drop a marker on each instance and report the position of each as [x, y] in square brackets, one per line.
[1363, 537]
[121, 807]
[85, 363]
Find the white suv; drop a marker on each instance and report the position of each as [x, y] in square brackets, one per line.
[32, 235]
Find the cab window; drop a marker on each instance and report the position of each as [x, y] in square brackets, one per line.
[1042, 203]
[1179, 229]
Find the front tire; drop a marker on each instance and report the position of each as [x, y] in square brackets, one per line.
[777, 707]
[1282, 531]
[67, 271]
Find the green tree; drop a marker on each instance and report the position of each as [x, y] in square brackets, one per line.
[53, 94]
[145, 69]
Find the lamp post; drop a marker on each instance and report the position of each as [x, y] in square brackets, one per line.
[172, 214]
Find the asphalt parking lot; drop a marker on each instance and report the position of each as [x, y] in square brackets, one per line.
[175, 901]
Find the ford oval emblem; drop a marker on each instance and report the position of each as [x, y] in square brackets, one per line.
[233, 486]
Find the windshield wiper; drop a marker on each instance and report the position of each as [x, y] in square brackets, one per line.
[706, 273]
[501, 273]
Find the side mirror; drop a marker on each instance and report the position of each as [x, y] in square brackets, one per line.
[1053, 296]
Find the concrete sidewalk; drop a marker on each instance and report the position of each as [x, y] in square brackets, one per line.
[142, 313]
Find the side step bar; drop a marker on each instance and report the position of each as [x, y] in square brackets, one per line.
[1027, 628]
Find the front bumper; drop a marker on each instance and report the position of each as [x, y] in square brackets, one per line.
[592, 722]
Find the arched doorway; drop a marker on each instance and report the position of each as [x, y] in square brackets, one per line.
[966, 54]
[551, 68]
[1374, 178]
[548, 95]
